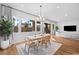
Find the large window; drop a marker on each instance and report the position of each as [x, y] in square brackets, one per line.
[27, 25]
[23, 22]
[38, 26]
[16, 23]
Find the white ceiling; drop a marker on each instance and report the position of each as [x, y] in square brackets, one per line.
[53, 11]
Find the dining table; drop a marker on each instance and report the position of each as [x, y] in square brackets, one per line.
[35, 37]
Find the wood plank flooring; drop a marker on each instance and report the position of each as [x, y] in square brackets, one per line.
[9, 51]
[69, 47]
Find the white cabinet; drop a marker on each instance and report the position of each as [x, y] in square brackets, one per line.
[74, 35]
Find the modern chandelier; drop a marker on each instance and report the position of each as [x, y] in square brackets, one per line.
[41, 18]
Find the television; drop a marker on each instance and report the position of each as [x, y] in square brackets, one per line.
[70, 28]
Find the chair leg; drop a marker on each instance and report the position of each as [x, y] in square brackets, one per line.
[25, 46]
[28, 50]
[37, 48]
[34, 48]
[46, 45]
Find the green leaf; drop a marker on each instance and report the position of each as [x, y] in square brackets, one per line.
[5, 27]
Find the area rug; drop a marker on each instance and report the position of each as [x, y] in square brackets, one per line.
[42, 50]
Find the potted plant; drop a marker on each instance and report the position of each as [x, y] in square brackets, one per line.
[56, 29]
[5, 32]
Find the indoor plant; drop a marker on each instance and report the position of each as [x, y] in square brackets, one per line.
[56, 28]
[5, 32]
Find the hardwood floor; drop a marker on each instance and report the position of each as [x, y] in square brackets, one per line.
[69, 47]
[9, 51]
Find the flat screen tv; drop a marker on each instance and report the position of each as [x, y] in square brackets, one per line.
[70, 28]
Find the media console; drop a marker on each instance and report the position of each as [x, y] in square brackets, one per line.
[67, 34]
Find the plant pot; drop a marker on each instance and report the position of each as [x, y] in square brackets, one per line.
[4, 44]
[57, 33]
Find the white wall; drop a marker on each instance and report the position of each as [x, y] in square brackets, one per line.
[0, 14]
[67, 33]
[0, 11]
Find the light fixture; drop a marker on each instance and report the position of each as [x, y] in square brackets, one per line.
[40, 12]
[22, 5]
[58, 7]
[66, 14]
[41, 17]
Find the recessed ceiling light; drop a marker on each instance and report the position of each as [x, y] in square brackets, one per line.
[22, 5]
[58, 7]
[66, 14]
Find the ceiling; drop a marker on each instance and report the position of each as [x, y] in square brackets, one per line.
[52, 11]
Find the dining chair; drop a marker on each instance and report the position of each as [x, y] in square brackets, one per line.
[31, 44]
[44, 42]
[48, 40]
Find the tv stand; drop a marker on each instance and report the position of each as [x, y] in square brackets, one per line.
[67, 34]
